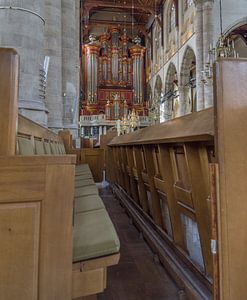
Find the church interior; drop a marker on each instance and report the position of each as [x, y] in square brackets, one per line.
[122, 155]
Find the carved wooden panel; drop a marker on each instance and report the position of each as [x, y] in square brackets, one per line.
[19, 250]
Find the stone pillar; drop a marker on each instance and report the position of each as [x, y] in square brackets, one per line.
[100, 133]
[53, 49]
[77, 55]
[70, 66]
[22, 28]
[199, 54]
[105, 130]
[183, 92]
[208, 27]
[82, 131]
[100, 130]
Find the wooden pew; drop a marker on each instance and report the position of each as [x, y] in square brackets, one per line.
[159, 168]
[190, 174]
[94, 157]
[37, 196]
[36, 200]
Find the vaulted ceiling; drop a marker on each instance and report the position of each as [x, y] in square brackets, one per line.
[100, 13]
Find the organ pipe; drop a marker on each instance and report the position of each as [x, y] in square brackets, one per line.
[92, 57]
[137, 54]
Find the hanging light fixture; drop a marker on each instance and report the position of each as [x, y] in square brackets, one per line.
[225, 48]
[132, 19]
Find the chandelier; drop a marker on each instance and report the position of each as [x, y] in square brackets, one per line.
[225, 47]
[128, 123]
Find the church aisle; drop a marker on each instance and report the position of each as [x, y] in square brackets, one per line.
[137, 276]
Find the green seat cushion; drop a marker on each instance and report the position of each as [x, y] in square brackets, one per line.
[94, 235]
[88, 203]
[86, 191]
[85, 182]
[39, 147]
[25, 146]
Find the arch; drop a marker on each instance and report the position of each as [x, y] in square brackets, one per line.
[238, 34]
[170, 77]
[171, 95]
[157, 46]
[188, 82]
[235, 25]
[169, 34]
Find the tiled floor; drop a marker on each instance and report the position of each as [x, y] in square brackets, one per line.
[137, 276]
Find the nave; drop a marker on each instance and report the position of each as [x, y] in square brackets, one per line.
[183, 184]
[139, 275]
[151, 94]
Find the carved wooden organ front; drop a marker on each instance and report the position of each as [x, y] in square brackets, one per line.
[114, 75]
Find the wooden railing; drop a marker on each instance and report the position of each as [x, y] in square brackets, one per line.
[184, 184]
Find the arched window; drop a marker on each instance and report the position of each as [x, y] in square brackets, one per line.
[157, 43]
[187, 4]
[172, 18]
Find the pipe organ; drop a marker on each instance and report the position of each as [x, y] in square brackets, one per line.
[114, 75]
[137, 54]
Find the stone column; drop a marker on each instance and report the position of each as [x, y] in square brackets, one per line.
[100, 133]
[199, 53]
[182, 100]
[53, 42]
[100, 130]
[208, 27]
[22, 28]
[105, 130]
[70, 65]
[77, 56]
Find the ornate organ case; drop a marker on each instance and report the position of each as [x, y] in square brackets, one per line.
[114, 75]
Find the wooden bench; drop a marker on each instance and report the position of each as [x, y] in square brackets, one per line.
[93, 157]
[37, 187]
[159, 168]
[184, 184]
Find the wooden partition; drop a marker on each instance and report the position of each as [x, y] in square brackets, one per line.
[9, 66]
[94, 157]
[33, 131]
[188, 189]
[231, 144]
[36, 202]
[161, 175]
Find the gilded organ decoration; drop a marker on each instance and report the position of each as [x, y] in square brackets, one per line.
[114, 74]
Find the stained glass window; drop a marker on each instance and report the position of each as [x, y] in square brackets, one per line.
[172, 16]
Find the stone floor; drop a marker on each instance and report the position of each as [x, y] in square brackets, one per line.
[137, 276]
